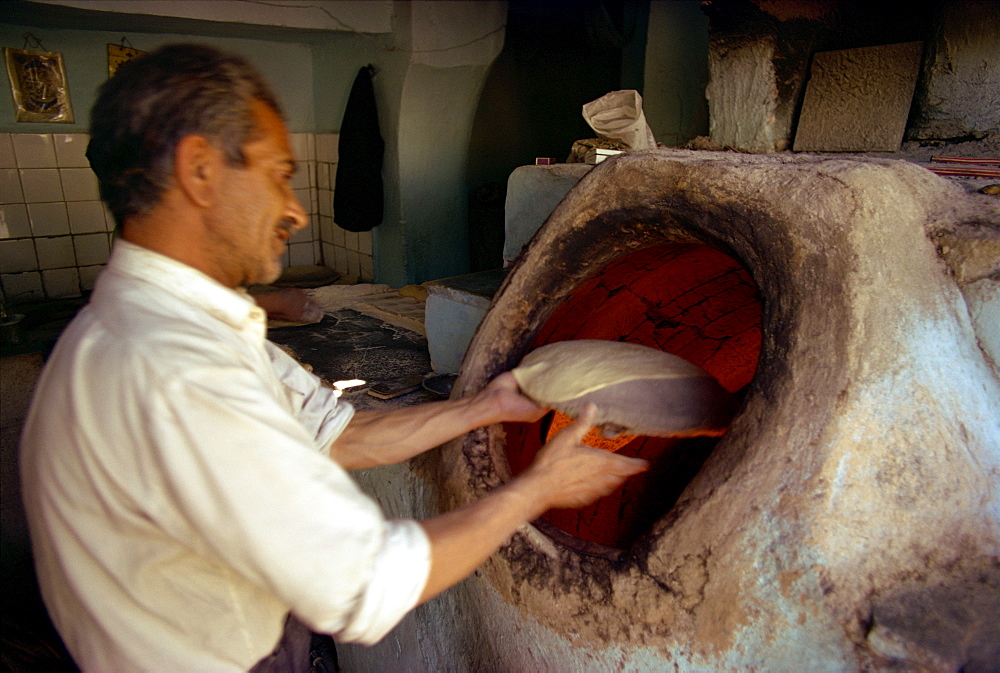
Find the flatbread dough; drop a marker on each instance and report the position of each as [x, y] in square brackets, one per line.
[637, 389]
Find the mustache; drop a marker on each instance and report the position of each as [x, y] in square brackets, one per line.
[288, 225]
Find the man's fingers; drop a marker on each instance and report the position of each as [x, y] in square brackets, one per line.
[627, 466]
[583, 423]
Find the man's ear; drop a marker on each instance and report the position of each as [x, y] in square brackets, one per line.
[197, 166]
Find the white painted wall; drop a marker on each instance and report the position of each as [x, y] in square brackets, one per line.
[365, 16]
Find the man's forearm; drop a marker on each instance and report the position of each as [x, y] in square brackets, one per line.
[463, 539]
[565, 473]
[382, 438]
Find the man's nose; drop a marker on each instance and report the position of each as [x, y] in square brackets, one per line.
[294, 213]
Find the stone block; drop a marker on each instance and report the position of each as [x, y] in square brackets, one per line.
[533, 192]
[858, 100]
[453, 311]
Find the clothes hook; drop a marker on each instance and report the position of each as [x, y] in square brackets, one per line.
[28, 38]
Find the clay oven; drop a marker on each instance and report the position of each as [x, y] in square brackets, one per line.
[849, 520]
[850, 517]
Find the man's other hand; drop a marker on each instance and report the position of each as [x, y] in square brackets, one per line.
[508, 402]
[572, 474]
[289, 304]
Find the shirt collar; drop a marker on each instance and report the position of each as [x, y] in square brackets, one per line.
[234, 307]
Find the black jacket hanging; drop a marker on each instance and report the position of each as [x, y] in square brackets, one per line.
[357, 196]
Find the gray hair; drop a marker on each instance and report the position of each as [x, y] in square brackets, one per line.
[153, 102]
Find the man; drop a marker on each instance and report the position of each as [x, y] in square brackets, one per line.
[184, 508]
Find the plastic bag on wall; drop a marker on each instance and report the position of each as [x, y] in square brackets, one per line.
[618, 115]
[38, 84]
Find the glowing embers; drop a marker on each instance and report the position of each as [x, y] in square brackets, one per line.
[687, 299]
[595, 438]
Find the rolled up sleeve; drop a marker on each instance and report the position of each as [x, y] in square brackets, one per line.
[400, 573]
[283, 515]
[319, 409]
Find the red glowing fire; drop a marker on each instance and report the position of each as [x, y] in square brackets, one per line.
[687, 299]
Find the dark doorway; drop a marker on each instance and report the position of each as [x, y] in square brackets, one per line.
[557, 55]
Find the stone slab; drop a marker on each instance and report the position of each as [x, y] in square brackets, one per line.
[454, 308]
[533, 192]
[472, 288]
[858, 100]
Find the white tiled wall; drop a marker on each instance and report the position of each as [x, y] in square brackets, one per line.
[55, 234]
[54, 231]
[344, 251]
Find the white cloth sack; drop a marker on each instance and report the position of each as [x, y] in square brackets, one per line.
[618, 115]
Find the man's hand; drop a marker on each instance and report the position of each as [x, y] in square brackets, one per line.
[572, 474]
[565, 473]
[509, 403]
[289, 304]
[385, 437]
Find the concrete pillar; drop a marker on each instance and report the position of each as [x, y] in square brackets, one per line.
[448, 47]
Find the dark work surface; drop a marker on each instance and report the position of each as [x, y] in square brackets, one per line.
[348, 344]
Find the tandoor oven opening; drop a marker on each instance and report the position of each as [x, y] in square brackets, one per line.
[684, 298]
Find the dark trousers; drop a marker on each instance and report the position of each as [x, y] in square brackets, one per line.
[300, 651]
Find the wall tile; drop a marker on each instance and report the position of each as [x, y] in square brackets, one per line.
[91, 249]
[322, 175]
[34, 150]
[303, 196]
[22, 286]
[88, 276]
[353, 263]
[41, 185]
[326, 229]
[340, 259]
[322, 146]
[300, 254]
[86, 217]
[351, 240]
[367, 269]
[325, 205]
[60, 283]
[71, 149]
[303, 235]
[109, 219]
[328, 254]
[300, 146]
[300, 180]
[365, 243]
[17, 256]
[52, 209]
[326, 146]
[10, 186]
[15, 216]
[79, 184]
[55, 252]
[48, 219]
[7, 159]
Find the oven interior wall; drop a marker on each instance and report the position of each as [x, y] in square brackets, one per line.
[688, 299]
